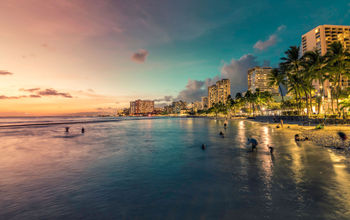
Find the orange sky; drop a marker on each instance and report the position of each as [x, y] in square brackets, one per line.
[49, 44]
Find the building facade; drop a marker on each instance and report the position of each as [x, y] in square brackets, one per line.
[204, 101]
[321, 37]
[219, 92]
[175, 107]
[141, 107]
[258, 78]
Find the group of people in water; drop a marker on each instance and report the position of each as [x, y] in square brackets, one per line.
[250, 141]
[82, 130]
[254, 143]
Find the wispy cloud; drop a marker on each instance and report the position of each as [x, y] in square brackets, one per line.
[263, 45]
[140, 56]
[11, 97]
[37, 93]
[4, 72]
[271, 41]
[53, 92]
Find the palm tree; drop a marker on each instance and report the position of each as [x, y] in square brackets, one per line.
[276, 78]
[314, 65]
[338, 66]
[292, 60]
[248, 97]
[291, 68]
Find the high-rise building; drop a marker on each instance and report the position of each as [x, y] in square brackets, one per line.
[204, 102]
[258, 78]
[219, 92]
[141, 107]
[322, 36]
[176, 107]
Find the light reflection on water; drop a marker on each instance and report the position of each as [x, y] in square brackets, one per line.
[156, 169]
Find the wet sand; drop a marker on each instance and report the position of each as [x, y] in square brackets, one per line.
[326, 137]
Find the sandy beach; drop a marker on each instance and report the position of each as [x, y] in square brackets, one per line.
[326, 137]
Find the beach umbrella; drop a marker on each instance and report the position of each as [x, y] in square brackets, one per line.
[342, 136]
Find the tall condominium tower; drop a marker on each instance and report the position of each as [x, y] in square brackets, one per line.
[322, 36]
[219, 92]
[140, 107]
[258, 78]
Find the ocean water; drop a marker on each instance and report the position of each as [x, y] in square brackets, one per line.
[156, 169]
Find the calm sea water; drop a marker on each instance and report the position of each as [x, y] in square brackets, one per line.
[156, 169]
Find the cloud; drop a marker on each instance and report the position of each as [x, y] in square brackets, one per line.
[271, 41]
[37, 93]
[167, 98]
[35, 96]
[236, 71]
[194, 90]
[4, 72]
[29, 90]
[140, 56]
[263, 45]
[11, 97]
[53, 92]
[282, 27]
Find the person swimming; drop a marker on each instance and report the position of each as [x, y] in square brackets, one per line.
[221, 134]
[253, 142]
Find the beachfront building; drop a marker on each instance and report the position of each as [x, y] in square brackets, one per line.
[196, 106]
[141, 107]
[319, 39]
[322, 36]
[204, 101]
[175, 107]
[258, 78]
[178, 106]
[219, 92]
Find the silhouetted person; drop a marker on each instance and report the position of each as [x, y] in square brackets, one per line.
[67, 129]
[297, 138]
[253, 142]
[203, 146]
[271, 149]
[83, 130]
[343, 137]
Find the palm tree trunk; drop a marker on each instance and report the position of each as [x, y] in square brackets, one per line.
[311, 102]
[280, 88]
[332, 101]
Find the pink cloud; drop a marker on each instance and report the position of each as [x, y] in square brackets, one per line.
[140, 56]
[3, 72]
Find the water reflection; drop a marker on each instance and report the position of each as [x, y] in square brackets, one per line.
[155, 169]
[241, 137]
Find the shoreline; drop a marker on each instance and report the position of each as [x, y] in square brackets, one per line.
[326, 137]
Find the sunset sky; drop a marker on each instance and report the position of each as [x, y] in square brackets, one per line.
[75, 56]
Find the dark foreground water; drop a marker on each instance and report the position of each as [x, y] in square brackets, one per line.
[156, 169]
